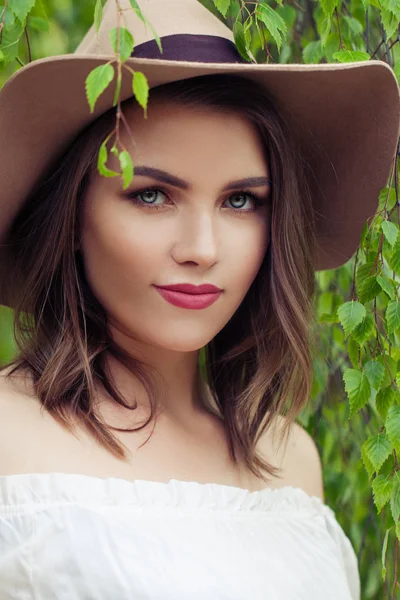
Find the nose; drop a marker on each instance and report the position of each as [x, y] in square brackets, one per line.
[196, 239]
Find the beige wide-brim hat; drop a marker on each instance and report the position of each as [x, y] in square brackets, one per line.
[345, 117]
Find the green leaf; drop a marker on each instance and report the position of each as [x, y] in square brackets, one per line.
[125, 160]
[11, 34]
[367, 463]
[384, 399]
[345, 56]
[21, 8]
[222, 6]
[325, 29]
[390, 231]
[353, 350]
[369, 289]
[273, 22]
[395, 498]
[357, 388]
[375, 372]
[98, 14]
[386, 286]
[102, 159]
[378, 449]
[354, 25]
[141, 16]
[97, 81]
[350, 315]
[363, 272]
[382, 490]
[365, 330]
[138, 10]
[394, 260]
[247, 30]
[125, 42]
[140, 88]
[389, 21]
[392, 426]
[384, 548]
[389, 363]
[328, 6]
[393, 316]
[396, 70]
[240, 40]
[387, 195]
[393, 6]
[313, 52]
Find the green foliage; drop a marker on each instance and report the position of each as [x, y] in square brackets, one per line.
[346, 56]
[97, 81]
[382, 489]
[102, 160]
[136, 8]
[240, 40]
[358, 389]
[223, 6]
[21, 9]
[98, 14]
[377, 449]
[392, 426]
[122, 42]
[351, 314]
[141, 89]
[273, 22]
[11, 33]
[354, 411]
[125, 160]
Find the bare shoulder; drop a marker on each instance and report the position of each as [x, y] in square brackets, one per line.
[13, 388]
[298, 458]
[14, 402]
[18, 420]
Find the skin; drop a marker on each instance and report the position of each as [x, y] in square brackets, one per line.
[197, 236]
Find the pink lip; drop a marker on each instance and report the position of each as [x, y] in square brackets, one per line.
[185, 300]
[189, 288]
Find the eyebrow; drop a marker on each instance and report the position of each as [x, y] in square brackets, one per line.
[165, 177]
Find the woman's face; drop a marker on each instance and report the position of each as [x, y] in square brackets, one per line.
[178, 224]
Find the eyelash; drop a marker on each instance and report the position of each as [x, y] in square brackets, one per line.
[258, 200]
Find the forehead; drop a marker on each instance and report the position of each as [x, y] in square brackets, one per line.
[194, 138]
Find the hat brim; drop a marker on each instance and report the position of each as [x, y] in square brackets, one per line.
[344, 117]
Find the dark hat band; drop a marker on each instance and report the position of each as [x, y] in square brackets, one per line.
[192, 48]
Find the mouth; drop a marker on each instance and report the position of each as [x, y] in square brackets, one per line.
[193, 301]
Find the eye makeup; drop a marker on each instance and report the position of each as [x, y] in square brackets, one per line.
[258, 200]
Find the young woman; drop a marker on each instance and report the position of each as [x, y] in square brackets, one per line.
[147, 439]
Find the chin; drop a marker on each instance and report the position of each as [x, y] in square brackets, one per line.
[185, 346]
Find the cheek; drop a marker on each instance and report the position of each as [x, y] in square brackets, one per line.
[119, 259]
[247, 250]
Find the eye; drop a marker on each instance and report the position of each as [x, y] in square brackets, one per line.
[149, 197]
[152, 198]
[239, 199]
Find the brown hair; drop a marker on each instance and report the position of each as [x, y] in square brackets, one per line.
[259, 365]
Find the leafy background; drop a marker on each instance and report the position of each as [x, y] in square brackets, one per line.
[354, 411]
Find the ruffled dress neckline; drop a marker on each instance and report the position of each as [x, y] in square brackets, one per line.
[115, 538]
[45, 488]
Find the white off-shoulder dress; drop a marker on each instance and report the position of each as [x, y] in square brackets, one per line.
[78, 537]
